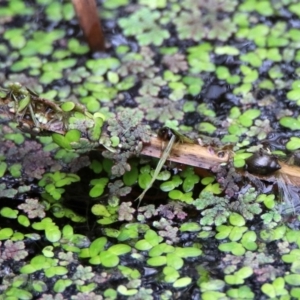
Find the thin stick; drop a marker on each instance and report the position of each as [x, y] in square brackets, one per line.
[187, 154]
[87, 13]
[202, 157]
[159, 166]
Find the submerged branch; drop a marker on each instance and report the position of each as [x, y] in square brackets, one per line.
[72, 127]
[204, 158]
[187, 154]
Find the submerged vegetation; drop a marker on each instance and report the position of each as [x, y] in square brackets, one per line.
[73, 125]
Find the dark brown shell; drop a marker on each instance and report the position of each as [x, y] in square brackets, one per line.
[262, 163]
[165, 133]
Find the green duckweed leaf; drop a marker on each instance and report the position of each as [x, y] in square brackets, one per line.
[28, 269]
[236, 233]
[233, 279]
[294, 255]
[173, 260]
[99, 185]
[236, 219]
[3, 168]
[291, 123]
[295, 292]
[100, 210]
[295, 8]
[53, 234]
[23, 220]
[223, 232]
[39, 286]
[213, 188]
[119, 249]
[16, 293]
[55, 270]
[61, 141]
[144, 180]
[214, 284]
[159, 249]
[48, 251]
[75, 47]
[182, 282]
[239, 159]
[187, 252]
[109, 259]
[61, 284]
[96, 166]
[246, 119]
[189, 183]
[157, 261]
[143, 245]
[7, 212]
[207, 128]
[190, 227]
[244, 272]
[97, 246]
[170, 274]
[207, 180]
[95, 260]
[67, 106]
[122, 289]
[130, 177]
[233, 247]
[293, 144]
[152, 237]
[6, 233]
[243, 292]
[175, 194]
[295, 268]
[248, 241]
[212, 295]
[292, 279]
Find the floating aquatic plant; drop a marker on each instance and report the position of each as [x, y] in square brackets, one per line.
[175, 63]
[166, 230]
[215, 209]
[172, 210]
[82, 274]
[159, 109]
[245, 204]
[129, 135]
[204, 22]
[13, 250]
[125, 211]
[144, 26]
[261, 59]
[33, 208]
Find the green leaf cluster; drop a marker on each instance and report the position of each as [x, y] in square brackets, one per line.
[162, 254]
[53, 183]
[239, 276]
[214, 209]
[98, 255]
[52, 231]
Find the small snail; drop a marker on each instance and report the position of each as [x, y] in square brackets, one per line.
[262, 163]
[165, 133]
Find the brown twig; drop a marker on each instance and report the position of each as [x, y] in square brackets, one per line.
[202, 157]
[189, 154]
[87, 13]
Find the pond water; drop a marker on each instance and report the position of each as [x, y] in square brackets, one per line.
[69, 225]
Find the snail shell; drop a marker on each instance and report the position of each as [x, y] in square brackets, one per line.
[262, 163]
[165, 133]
